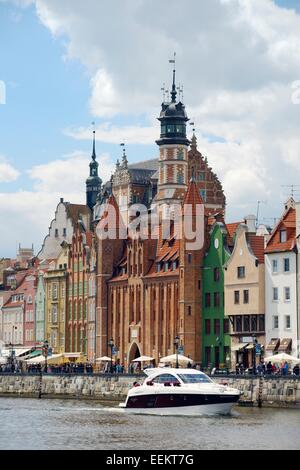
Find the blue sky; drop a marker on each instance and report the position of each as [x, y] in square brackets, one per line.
[48, 72]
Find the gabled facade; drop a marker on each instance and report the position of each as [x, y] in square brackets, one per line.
[55, 303]
[281, 262]
[78, 295]
[215, 326]
[29, 291]
[40, 309]
[245, 295]
[62, 228]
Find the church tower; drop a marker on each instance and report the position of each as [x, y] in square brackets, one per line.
[93, 183]
[173, 151]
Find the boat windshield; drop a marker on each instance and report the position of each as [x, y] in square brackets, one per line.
[194, 378]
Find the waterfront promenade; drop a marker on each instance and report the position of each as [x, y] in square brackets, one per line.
[267, 390]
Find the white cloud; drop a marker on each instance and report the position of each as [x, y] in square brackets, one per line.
[30, 212]
[113, 134]
[68, 174]
[7, 172]
[237, 59]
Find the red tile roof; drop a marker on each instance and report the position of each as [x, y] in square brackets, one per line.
[288, 223]
[257, 245]
[192, 196]
[232, 228]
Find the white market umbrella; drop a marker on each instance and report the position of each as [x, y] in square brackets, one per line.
[282, 357]
[143, 359]
[173, 357]
[103, 359]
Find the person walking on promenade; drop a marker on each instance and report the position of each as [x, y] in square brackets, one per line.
[296, 370]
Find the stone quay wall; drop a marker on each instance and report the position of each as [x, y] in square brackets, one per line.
[271, 391]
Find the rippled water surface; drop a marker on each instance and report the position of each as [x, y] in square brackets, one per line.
[72, 424]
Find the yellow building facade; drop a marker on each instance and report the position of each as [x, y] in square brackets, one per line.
[55, 309]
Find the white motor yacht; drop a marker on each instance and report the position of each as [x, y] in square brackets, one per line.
[168, 391]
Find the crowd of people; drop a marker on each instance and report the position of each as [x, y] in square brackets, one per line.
[269, 368]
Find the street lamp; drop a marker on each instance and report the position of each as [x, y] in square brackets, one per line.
[176, 344]
[111, 345]
[254, 353]
[45, 354]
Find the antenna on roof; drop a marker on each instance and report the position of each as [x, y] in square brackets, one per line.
[292, 188]
[163, 89]
[257, 213]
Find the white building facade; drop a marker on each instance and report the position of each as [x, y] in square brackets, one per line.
[282, 286]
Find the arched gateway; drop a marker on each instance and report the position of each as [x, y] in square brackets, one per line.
[134, 352]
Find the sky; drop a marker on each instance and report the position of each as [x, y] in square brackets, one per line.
[64, 64]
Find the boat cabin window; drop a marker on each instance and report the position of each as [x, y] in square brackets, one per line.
[165, 378]
[194, 378]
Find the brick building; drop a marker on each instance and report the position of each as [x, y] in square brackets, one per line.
[149, 290]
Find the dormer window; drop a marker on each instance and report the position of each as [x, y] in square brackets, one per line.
[283, 236]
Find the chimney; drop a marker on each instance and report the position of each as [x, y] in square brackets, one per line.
[250, 221]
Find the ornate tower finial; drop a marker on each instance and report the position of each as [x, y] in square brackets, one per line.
[124, 157]
[174, 92]
[194, 138]
[94, 141]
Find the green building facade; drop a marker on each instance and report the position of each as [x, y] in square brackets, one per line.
[216, 338]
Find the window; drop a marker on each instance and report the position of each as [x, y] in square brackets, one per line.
[180, 179]
[207, 300]
[56, 232]
[283, 236]
[274, 266]
[29, 299]
[286, 265]
[253, 322]
[246, 296]
[203, 194]
[201, 176]
[287, 322]
[64, 232]
[216, 274]
[190, 258]
[275, 294]
[189, 310]
[180, 155]
[238, 324]
[236, 297]
[261, 322]
[241, 272]
[207, 327]
[54, 314]
[275, 322]
[54, 292]
[287, 294]
[217, 326]
[199, 284]
[207, 355]
[246, 323]
[217, 299]
[226, 325]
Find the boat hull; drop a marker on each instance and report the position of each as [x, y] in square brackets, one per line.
[181, 404]
[197, 410]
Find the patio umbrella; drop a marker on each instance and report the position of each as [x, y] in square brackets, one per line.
[282, 357]
[143, 359]
[103, 359]
[173, 357]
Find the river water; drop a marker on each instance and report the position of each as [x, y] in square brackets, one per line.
[73, 424]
